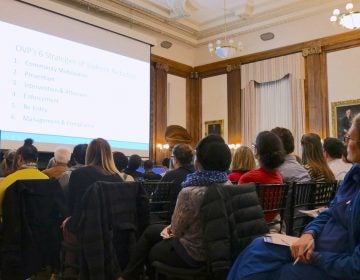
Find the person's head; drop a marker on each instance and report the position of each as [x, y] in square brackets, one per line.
[243, 160]
[286, 138]
[27, 153]
[134, 162]
[79, 153]
[99, 154]
[353, 140]
[333, 148]
[183, 154]
[269, 150]
[9, 157]
[312, 155]
[121, 161]
[165, 163]
[212, 154]
[311, 148]
[62, 155]
[148, 165]
[7, 163]
[348, 113]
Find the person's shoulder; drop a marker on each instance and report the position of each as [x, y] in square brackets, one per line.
[192, 190]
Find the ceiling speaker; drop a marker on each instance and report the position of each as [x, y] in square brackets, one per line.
[267, 36]
[166, 44]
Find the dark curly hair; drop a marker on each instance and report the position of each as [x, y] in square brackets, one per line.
[213, 154]
[286, 138]
[121, 160]
[270, 150]
[135, 162]
[334, 147]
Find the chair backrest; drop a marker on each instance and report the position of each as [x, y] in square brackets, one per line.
[160, 201]
[150, 187]
[307, 196]
[32, 214]
[112, 213]
[272, 198]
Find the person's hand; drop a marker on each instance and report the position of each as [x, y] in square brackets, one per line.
[166, 232]
[299, 247]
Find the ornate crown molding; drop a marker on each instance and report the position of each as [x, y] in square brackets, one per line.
[311, 51]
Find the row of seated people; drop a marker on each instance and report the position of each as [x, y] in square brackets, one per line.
[212, 161]
[320, 163]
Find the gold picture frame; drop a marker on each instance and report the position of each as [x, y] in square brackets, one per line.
[214, 127]
[340, 122]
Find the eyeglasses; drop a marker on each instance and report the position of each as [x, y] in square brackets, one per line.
[347, 139]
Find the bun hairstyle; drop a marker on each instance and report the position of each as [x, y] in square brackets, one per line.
[28, 151]
[213, 154]
[28, 141]
[270, 150]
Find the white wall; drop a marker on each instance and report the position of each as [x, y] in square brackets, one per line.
[176, 101]
[214, 101]
[343, 77]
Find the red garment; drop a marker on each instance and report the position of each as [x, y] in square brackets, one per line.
[262, 176]
[235, 176]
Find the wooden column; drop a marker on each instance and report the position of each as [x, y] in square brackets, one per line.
[234, 103]
[158, 109]
[194, 107]
[316, 93]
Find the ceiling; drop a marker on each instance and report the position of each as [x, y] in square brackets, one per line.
[196, 22]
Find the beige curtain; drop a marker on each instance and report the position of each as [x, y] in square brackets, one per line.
[267, 71]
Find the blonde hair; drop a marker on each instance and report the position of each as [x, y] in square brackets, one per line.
[99, 154]
[243, 159]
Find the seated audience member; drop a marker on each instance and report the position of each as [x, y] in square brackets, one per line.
[99, 166]
[270, 153]
[149, 174]
[313, 159]
[165, 163]
[182, 157]
[121, 161]
[134, 163]
[186, 248]
[7, 164]
[26, 167]
[243, 161]
[333, 151]
[329, 247]
[61, 160]
[291, 170]
[77, 161]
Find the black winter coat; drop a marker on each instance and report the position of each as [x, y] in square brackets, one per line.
[232, 217]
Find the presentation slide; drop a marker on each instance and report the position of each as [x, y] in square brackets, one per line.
[62, 92]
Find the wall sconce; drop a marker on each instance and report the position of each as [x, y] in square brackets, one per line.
[162, 146]
[233, 147]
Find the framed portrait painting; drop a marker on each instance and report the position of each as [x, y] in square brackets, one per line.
[214, 127]
[342, 113]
